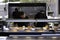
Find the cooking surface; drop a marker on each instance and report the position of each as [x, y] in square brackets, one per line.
[21, 29]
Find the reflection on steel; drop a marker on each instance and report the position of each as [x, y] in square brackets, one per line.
[43, 35]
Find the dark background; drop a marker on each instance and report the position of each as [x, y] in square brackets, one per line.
[28, 8]
[59, 6]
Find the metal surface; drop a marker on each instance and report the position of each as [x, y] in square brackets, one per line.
[57, 34]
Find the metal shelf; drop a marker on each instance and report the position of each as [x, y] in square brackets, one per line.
[32, 20]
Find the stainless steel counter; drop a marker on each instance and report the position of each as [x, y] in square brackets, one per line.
[35, 38]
